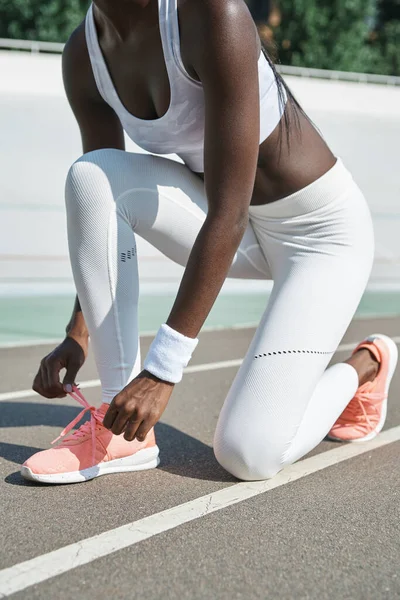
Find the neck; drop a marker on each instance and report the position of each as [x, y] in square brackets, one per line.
[122, 15]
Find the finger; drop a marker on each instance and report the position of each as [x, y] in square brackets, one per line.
[110, 416]
[43, 375]
[143, 430]
[70, 376]
[38, 385]
[53, 369]
[45, 387]
[131, 429]
[121, 421]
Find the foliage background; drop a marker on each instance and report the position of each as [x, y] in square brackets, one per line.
[343, 35]
[347, 35]
[44, 20]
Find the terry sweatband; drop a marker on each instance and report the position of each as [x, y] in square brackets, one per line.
[169, 353]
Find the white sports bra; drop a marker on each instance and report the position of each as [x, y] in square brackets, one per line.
[181, 129]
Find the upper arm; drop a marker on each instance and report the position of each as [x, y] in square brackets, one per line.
[98, 123]
[224, 54]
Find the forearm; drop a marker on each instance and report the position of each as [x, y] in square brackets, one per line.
[206, 271]
[77, 326]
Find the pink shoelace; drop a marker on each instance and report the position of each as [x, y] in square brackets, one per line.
[91, 425]
[362, 407]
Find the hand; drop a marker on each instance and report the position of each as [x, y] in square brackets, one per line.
[69, 355]
[138, 407]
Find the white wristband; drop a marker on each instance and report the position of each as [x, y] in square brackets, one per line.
[169, 353]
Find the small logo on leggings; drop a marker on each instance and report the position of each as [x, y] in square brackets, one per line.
[128, 255]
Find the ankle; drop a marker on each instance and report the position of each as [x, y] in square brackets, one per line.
[366, 365]
[373, 366]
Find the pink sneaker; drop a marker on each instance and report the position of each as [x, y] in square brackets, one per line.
[365, 415]
[90, 451]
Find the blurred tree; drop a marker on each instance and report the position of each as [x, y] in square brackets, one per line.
[388, 10]
[45, 20]
[328, 34]
[385, 39]
[355, 35]
[260, 10]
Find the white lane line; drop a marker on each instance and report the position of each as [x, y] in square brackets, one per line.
[41, 568]
[92, 383]
[30, 393]
[223, 364]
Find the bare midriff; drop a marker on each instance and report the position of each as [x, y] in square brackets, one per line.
[288, 163]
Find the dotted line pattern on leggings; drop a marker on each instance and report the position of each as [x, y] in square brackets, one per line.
[292, 352]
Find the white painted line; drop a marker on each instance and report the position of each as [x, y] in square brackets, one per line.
[42, 568]
[223, 364]
[93, 383]
[29, 343]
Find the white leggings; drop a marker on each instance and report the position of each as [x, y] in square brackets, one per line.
[317, 245]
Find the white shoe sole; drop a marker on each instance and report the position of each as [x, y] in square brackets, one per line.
[148, 458]
[393, 354]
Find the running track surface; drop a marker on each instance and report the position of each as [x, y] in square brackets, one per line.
[327, 528]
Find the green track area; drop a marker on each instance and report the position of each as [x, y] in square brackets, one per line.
[35, 318]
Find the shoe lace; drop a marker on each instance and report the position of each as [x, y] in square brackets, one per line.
[89, 426]
[363, 407]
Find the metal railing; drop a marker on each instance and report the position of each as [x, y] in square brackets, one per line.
[31, 46]
[53, 47]
[338, 75]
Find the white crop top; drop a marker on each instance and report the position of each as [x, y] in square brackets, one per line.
[181, 130]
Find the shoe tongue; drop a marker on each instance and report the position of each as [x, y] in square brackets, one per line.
[101, 411]
[366, 388]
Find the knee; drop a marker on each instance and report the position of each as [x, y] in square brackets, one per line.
[88, 177]
[246, 459]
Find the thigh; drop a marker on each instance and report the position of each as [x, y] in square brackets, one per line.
[319, 278]
[166, 204]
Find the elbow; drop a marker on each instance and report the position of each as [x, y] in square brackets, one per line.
[237, 226]
[242, 220]
[230, 225]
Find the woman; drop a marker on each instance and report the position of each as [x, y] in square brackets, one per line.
[259, 195]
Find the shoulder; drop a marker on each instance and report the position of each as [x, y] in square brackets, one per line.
[75, 51]
[77, 69]
[98, 123]
[213, 29]
[224, 11]
[225, 16]
[218, 36]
